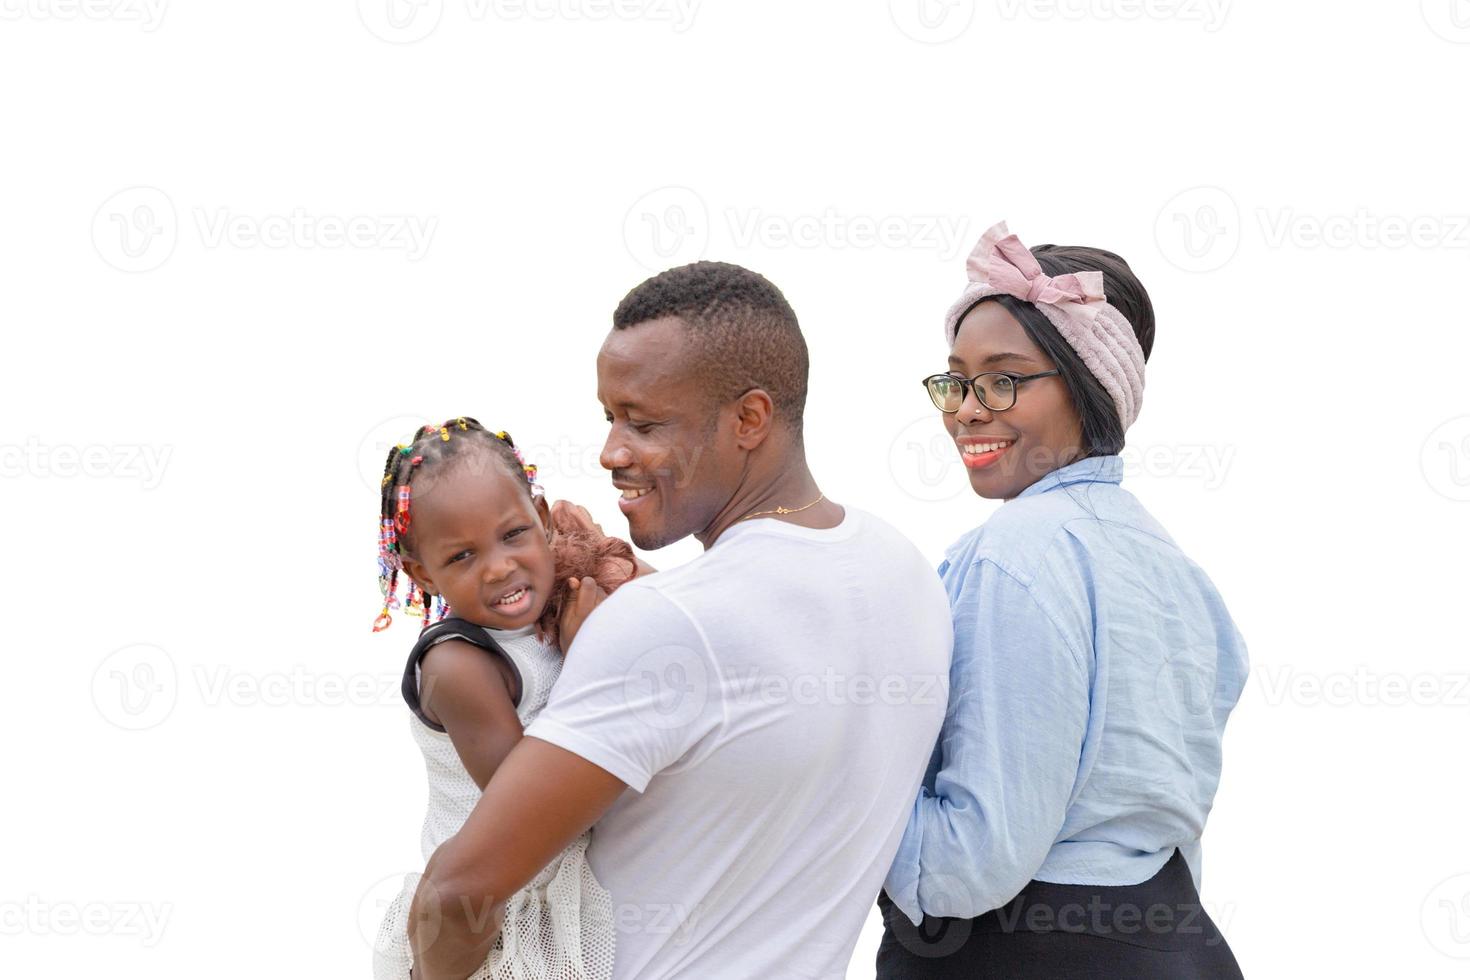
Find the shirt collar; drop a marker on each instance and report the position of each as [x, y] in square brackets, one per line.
[1093, 469]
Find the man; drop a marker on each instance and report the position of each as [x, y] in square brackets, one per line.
[771, 704]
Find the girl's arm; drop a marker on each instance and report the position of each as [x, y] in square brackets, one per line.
[472, 693]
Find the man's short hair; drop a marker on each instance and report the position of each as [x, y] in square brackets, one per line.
[742, 333]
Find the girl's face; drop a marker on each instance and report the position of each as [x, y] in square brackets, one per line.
[479, 540]
[1005, 452]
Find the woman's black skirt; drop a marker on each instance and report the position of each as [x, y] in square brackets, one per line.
[1156, 929]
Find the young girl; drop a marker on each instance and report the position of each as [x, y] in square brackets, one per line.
[499, 579]
[1057, 831]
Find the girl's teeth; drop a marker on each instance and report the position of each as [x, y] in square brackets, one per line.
[514, 597]
[985, 447]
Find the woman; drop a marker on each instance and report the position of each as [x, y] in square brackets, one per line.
[1057, 831]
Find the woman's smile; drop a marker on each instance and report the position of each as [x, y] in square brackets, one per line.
[978, 452]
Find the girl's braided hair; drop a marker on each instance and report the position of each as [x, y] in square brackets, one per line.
[578, 548]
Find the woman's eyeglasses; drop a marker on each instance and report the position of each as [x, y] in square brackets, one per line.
[995, 390]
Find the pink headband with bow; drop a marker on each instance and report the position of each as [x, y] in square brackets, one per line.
[1075, 305]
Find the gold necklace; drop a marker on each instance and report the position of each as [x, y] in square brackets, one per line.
[783, 511]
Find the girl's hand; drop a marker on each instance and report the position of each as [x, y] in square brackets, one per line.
[585, 596]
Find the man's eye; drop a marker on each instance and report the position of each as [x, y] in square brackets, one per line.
[642, 428]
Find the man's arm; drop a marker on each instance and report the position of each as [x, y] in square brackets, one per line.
[540, 800]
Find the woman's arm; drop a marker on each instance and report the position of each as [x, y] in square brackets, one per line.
[471, 692]
[1009, 755]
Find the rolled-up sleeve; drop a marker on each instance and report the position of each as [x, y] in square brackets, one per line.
[1008, 755]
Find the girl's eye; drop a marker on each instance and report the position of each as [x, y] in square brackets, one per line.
[458, 556]
[516, 533]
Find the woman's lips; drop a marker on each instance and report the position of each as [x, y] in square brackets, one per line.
[978, 455]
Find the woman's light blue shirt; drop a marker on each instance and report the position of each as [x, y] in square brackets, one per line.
[1094, 667]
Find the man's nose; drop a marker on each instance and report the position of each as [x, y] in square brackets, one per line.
[615, 455]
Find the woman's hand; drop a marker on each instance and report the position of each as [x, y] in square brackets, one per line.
[585, 595]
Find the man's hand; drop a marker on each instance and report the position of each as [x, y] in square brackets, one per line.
[584, 596]
[540, 800]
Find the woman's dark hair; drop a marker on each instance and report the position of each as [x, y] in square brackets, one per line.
[1102, 430]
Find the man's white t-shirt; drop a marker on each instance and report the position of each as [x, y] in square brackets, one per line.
[774, 704]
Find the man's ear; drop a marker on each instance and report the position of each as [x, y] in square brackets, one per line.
[754, 414]
[418, 573]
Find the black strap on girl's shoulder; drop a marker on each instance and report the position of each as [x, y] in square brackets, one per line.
[445, 629]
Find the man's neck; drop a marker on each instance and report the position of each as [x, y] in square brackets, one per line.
[793, 489]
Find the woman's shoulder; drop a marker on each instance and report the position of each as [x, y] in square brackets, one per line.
[1017, 535]
[1065, 528]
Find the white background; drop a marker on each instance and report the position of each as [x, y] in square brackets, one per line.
[208, 768]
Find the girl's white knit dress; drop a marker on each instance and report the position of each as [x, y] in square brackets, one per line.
[560, 926]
